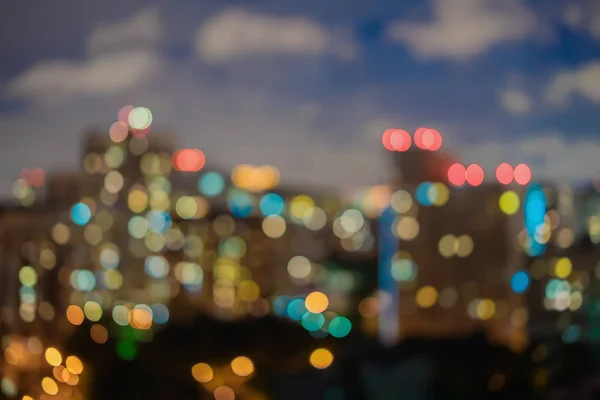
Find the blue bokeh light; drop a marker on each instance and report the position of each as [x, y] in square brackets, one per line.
[81, 214]
[422, 193]
[240, 204]
[296, 309]
[159, 221]
[313, 322]
[211, 184]
[520, 281]
[272, 204]
[340, 327]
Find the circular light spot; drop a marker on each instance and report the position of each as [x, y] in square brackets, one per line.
[140, 118]
[75, 315]
[340, 327]
[522, 174]
[271, 204]
[321, 358]
[242, 366]
[118, 131]
[28, 276]
[299, 267]
[509, 202]
[457, 174]
[74, 365]
[53, 356]
[520, 281]
[316, 302]
[49, 386]
[426, 297]
[211, 184]
[563, 268]
[474, 175]
[81, 214]
[202, 373]
[505, 173]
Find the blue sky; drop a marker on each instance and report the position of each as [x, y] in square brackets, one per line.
[308, 86]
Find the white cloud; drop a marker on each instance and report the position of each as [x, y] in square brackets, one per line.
[236, 33]
[143, 29]
[104, 75]
[123, 58]
[584, 81]
[515, 101]
[551, 157]
[462, 29]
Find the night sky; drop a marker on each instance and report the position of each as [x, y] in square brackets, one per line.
[308, 86]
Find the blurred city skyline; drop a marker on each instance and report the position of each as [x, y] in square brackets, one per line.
[307, 87]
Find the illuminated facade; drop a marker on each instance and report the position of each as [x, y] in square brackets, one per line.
[456, 253]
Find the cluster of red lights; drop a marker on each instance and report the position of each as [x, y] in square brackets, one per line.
[34, 177]
[400, 140]
[521, 174]
[188, 160]
[458, 174]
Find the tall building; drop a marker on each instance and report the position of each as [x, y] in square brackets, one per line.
[456, 253]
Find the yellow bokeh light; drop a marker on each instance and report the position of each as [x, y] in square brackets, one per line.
[74, 365]
[321, 358]
[53, 356]
[49, 386]
[509, 202]
[93, 311]
[186, 207]
[242, 366]
[316, 302]
[446, 246]
[426, 296]
[486, 309]
[248, 291]
[300, 206]
[202, 373]
[137, 201]
[563, 268]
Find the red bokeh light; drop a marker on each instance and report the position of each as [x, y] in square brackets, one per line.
[475, 175]
[522, 174]
[118, 131]
[34, 177]
[428, 139]
[505, 173]
[37, 177]
[432, 139]
[123, 115]
[457, 174]
[188, 160]
[419, 138]
[386, 139]
[400, 140]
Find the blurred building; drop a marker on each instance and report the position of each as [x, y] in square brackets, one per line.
[456, 253]
[564, 298]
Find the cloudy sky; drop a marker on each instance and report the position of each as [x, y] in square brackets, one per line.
[306, 85]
